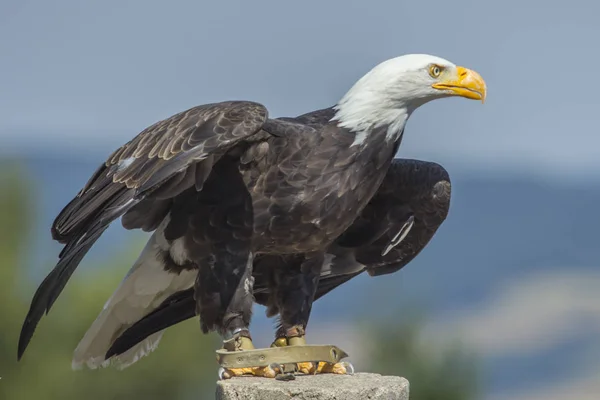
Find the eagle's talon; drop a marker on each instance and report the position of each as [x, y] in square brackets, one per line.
[315, 367]
[317, 364]
[341, 368]
[276, 367]
[349, 367]
[223, 374]
[270, 371]
[307, 368]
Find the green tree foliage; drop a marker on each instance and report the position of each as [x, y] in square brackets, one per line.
[445, 371]
[183, 366]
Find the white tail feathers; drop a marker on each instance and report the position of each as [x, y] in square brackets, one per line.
[144, 288]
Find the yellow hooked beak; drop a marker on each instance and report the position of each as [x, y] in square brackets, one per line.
[467, 83]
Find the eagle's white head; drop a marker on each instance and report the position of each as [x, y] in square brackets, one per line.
[390, 92]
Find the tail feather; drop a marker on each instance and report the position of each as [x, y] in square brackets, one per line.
[138, 351]
[177, 308]
[144, 289]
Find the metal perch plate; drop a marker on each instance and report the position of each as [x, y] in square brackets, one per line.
[280, 355]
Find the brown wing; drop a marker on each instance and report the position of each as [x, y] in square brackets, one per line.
[162, 159]
[412, 190]
[159, 163]
[415, 188]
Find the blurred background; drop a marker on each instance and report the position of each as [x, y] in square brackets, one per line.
[503, 304]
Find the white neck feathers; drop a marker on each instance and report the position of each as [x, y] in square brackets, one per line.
[370, 104]
[362, 113]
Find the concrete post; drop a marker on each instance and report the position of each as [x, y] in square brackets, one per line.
[359, 386]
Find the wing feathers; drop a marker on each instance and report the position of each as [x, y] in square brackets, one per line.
[159, 154]
[51, 287]
[146, 215]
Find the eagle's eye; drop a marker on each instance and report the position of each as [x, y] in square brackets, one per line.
[435, 70]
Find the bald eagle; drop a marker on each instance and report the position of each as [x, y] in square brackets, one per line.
[222, 183]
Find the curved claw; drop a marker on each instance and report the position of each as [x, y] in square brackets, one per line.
[309, 368]
[349, 367]
[223, 374]
[278, 368]
[270, 371]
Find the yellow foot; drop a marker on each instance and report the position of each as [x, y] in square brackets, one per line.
[242, 343]
[270, 371]
[311, 368]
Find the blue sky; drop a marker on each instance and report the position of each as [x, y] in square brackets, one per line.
[93, 74]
